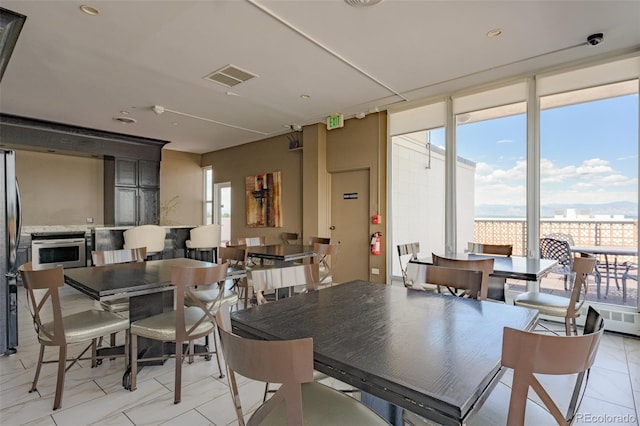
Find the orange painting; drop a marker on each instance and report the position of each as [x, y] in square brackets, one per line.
[263, 194]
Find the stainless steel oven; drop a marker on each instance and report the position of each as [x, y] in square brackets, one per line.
[58, 249]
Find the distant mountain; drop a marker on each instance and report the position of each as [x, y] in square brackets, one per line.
[626, 208]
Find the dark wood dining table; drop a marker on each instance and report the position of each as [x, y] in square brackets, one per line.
[514, 267]
[435, 355]
[282, 254]
[147, 285]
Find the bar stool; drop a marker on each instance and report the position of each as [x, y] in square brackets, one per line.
[203, 239]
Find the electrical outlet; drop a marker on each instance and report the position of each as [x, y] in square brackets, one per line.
[89, 220]
[375, 271]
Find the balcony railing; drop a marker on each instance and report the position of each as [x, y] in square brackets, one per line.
[585, 232]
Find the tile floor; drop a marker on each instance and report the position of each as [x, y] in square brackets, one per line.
[96, 397]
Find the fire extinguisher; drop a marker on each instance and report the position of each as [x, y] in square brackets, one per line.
[375, 243]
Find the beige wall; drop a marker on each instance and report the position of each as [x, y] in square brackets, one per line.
[59, 189]
[362, 144]
[359, 144]
[268, 155]
[65, 190]
[181, 188]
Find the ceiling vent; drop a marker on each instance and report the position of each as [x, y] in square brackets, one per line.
[230, 76]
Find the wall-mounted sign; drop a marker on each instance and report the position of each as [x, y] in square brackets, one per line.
[335, 121]
[350, 196]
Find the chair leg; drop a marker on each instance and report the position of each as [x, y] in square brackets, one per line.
[134, 361]
[567, 326]
[62, 361]
[94, 353]
[178, 378]
[215, 346]
[35, 379]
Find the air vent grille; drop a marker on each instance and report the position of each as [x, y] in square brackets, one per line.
[230, 76]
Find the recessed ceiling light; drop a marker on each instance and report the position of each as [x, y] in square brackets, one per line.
[497, 32]
[305, 96]
[174, 123]
[125, 120]
[89, 10]
[123, 112]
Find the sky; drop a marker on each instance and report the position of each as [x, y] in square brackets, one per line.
[589, 154]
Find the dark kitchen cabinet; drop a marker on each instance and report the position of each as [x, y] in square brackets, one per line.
[131, 191]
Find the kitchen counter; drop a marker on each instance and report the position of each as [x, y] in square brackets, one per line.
[112, 238]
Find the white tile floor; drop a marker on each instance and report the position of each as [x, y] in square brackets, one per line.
[95, 396]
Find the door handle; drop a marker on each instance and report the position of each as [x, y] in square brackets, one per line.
[333, 228]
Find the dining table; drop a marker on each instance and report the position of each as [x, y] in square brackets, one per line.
[433, 354]
[522, 268]
[281, 254]
[610, 267]
[148, 287]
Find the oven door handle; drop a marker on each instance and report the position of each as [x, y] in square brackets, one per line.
[56, 242]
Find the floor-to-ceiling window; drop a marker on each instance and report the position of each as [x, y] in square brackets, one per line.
[589, 182]
[584, 180]
[494, 141]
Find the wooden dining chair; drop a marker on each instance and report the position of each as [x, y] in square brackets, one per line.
[289, 237]
[412, 250]
[529, 353]
[460, 282]
[270, 280]
[568, 308]
[319, 240]
[299, 400]
[55, 329]
[110, 257]
[252, 241]
[494, 249]
[184, 324]
[236, 257]
[326, 256]
[484, 265]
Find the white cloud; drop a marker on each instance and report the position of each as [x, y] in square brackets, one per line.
[504, 141]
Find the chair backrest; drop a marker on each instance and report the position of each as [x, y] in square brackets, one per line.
[234, 256]
[150, 236]
[289, 362]
[469, 281]
[582, 266]
[495, 249]
[559, 250]
[274, 278]
[327, 259]
[44, 301]
[252, 241]
[289, 237]
[206, 236]
[411, 249]
[531, 353]
[109, 257]
[185, 279]
[562, 237]
[484, 265]
[319, 240]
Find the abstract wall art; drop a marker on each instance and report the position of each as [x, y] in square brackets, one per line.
[264, 203]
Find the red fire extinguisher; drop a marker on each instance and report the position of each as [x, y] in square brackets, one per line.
[375, 243]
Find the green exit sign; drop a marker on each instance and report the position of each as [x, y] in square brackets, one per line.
[335, 121]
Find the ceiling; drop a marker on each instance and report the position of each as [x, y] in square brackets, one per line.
[74, 68]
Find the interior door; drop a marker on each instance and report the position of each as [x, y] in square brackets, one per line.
[350, 224]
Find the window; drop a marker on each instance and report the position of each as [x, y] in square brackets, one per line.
[208, 196]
